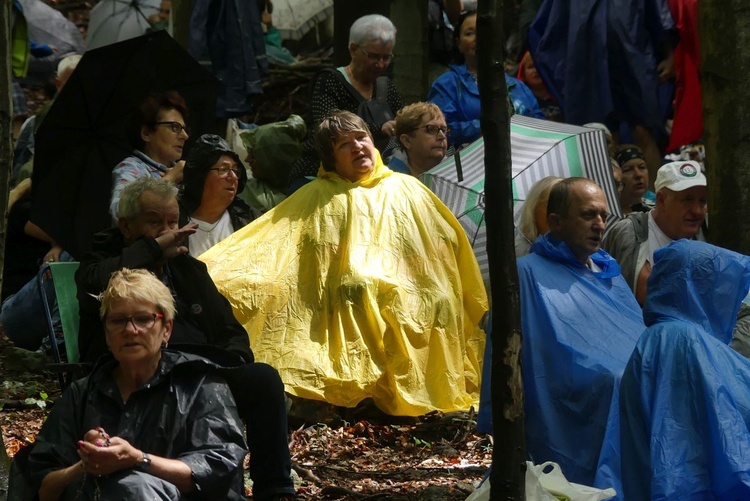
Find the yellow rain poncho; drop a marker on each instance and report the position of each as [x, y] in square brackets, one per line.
[356, 290]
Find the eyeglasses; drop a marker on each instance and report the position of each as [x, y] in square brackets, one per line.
[386, 58]
[141, 322]
[176, 127]
[433, 130]
[224, 171]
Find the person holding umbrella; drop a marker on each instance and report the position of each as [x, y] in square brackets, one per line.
[157, 131]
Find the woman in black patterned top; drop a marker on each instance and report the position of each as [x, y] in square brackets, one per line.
[371, 41]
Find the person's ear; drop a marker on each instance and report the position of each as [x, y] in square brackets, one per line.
[553, 221]
[353, 48]
[168, 324]
[146, 133]
[661, 197]
[405, 140]
[122, 223]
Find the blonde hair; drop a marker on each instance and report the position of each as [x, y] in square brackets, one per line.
[539, 193]
[137, 285]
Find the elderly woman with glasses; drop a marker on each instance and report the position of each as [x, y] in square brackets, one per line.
[360, 87]
[157, 131]
[360, 285]
[213, 177]
[148, 422]
[422, 137]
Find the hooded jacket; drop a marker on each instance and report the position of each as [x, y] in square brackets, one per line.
[457, 95]
[185, 412]
[685, 405]
[579, 328]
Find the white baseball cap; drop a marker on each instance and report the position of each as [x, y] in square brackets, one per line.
[679, 176]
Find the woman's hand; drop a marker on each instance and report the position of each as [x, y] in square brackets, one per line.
[389, 128]
[174, 173]
[53, 254]
[103, 455]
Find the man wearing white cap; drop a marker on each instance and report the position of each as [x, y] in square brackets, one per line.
[679, 213]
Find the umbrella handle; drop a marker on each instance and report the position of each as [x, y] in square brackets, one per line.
[459, 168]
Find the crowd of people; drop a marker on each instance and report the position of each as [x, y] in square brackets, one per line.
[308, 259]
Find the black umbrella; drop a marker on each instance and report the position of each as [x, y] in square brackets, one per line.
[84, 134]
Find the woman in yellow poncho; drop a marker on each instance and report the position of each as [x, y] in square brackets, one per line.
[362, 284]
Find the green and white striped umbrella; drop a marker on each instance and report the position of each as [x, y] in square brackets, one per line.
[538, 149]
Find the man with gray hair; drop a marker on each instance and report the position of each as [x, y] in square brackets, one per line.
[679, 213]
[148, 236]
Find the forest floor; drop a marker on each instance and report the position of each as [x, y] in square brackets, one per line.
[438, 457]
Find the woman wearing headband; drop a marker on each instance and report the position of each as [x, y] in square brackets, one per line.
[634, 178]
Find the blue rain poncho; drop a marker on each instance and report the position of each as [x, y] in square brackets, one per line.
[685, 394]
[579, 329]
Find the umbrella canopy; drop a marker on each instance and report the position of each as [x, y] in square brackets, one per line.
[84, 135]
[294, 18]
[113, 21]
[538, 149]
[49, 26]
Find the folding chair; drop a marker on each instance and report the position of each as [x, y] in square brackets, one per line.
[62, 275]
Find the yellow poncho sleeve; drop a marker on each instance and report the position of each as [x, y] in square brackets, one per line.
[357, 290]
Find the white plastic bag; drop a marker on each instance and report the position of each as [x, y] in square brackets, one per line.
[549, 486]
[554, 482]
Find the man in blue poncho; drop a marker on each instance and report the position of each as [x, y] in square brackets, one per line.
[580, 324]
[684, 399]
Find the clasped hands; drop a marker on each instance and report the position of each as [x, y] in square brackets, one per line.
[103, 455]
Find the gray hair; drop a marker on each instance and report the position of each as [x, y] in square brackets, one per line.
[539, 193]
[372, 28]
[67, 63]
[128, 207]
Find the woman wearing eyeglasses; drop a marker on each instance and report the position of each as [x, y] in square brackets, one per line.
[213, 177]
[423, 139]
[456, 92]
[147, 423]
[157, 132]
[358, 88]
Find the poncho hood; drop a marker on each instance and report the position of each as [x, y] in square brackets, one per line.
[699, 283]
[557, 250]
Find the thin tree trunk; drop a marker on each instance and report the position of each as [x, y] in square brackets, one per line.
[410, 67]
[6, 158]
[725, 51]
[6, 124]
[508, 456]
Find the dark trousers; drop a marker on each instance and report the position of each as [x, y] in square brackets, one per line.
[259, 393]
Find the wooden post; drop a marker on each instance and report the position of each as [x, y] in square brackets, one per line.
[725, 29]
[508, 455]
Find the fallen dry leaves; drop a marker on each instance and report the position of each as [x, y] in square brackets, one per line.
[437, 457]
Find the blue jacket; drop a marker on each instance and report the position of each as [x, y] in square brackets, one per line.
[456, 93]
[579, 329]
[684, 399]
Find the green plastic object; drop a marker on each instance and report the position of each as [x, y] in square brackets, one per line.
[63, 277]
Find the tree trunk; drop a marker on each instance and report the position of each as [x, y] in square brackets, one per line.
[6, 127]
[725, 49]
[508, 456]
[181, 11]
[410, 67]
[6, 159]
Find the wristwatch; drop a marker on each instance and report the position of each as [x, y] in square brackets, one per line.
[145, 463]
